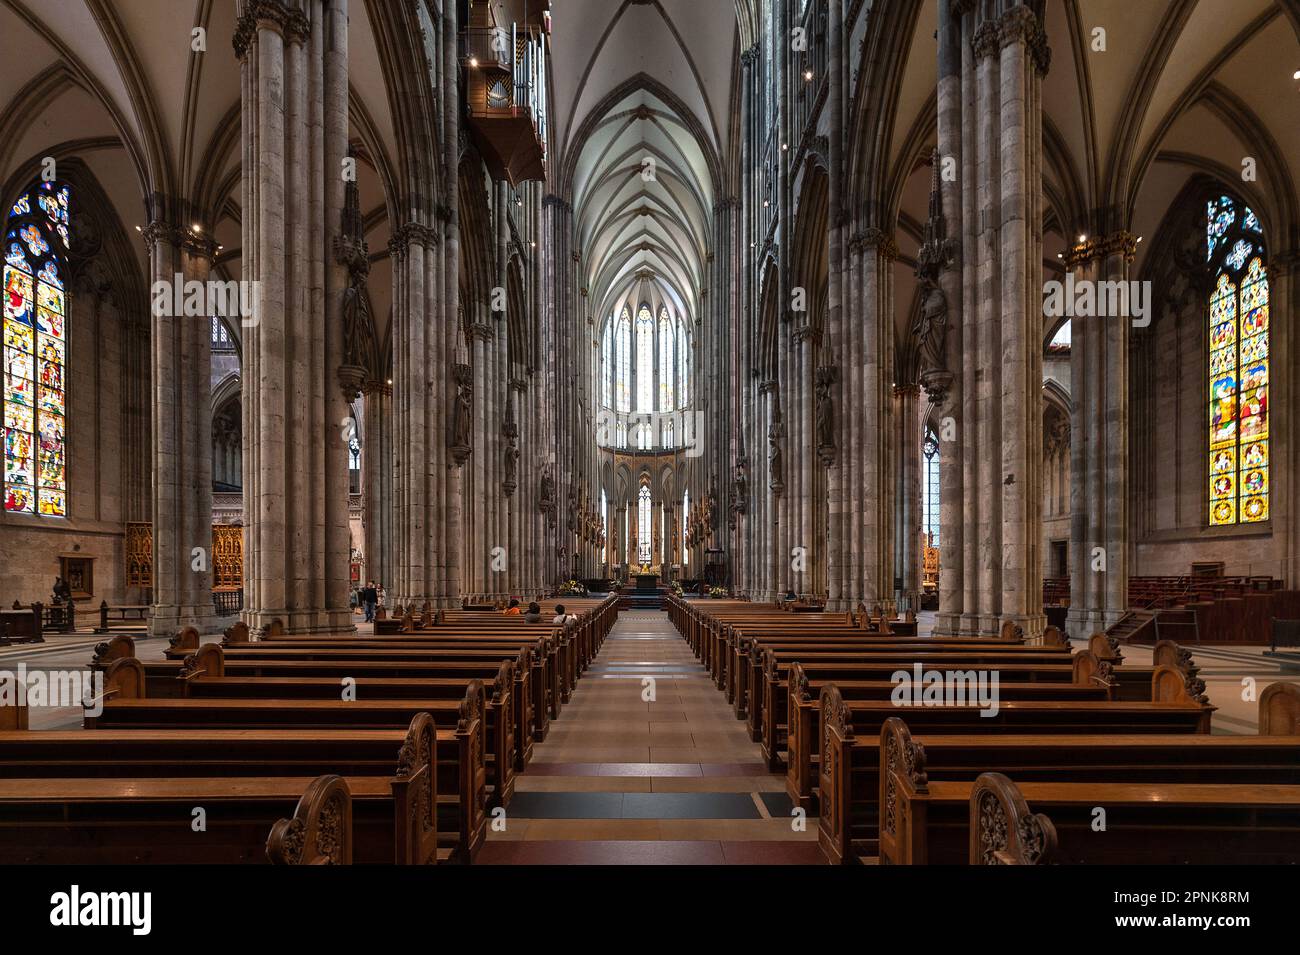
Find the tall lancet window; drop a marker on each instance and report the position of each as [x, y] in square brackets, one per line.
[666, 367]
[35, 352]
[607, 366]
[622, 366]
[645, 361]
[686, 513]
[683, 365]
[930, 489]
[1238, 360]
[643, 525]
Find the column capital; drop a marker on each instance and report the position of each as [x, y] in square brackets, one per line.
[874, 238]
[411, 233]
[373, 386]
[290, 23]
[193, 242]
[1121, 242]
[1020, 25]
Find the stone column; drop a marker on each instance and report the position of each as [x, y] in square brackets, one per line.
[1099, 538]
[375, 482]
[294, 76]
[1004, 56]
[182, 446]
[945, 389]
[907, 544]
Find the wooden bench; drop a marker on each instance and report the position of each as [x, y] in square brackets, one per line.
[464, 744]
[125, 616]
[1022, 681]
[910, 766]
[22, 625]
[851, 730]
[1006, 823]
[113, 821]
[406, 758]
[204, 676]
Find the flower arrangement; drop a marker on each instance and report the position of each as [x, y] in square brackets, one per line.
[716, 592]
[676, 588]
[572, 587]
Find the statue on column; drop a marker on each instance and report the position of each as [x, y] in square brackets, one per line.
[775, 465]
[740, 485]
[462, 418]
[546, 494]
[825, 415]
[931, 326]
[359, 339]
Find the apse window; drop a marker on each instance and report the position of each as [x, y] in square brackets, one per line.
[35, 352]
[1238, 365]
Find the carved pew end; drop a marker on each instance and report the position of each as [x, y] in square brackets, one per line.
[1002, 829]
[320, 832]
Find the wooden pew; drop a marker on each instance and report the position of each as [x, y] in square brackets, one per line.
[407, 758]
[910, 766]
[847, 774]
[463, 745]
[766, 683]
[1020, 681]
[112, 821]
[203, 676]
[1089, 683]
[1149, 824]
[409, 659]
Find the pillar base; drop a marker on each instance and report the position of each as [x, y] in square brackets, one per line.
[1083, 622]
[303, 622]
[167, 620]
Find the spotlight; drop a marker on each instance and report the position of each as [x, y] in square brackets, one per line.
[1083, 238]
[473, 62]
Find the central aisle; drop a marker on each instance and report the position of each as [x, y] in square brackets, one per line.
[675, 781]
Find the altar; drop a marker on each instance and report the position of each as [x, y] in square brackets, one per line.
[647, 582]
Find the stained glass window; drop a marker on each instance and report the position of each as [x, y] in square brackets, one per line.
[643, 525]
[1238, 365]
[686, 510]
[930, 489]
[607, 366]
[623, 343]
[645, 361]
[35, 352]
[683, 365]
[666, 366]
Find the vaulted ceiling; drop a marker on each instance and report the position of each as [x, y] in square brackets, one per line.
[120, 86]
[641, 105]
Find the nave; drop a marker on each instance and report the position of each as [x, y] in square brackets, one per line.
[626, 781]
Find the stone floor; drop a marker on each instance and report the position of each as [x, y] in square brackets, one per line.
[648, 764]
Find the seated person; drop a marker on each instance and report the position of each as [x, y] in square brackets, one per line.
[534, 614]
[561, 618]
[513, 610]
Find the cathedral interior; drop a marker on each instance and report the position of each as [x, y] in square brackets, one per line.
[955, 320]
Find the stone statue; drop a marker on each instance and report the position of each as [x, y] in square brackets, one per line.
[463, 413]
[546, 492]
[825, 415]
[740, 486]
[512, 468]
[775, 464]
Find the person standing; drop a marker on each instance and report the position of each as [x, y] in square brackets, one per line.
[369, 597]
